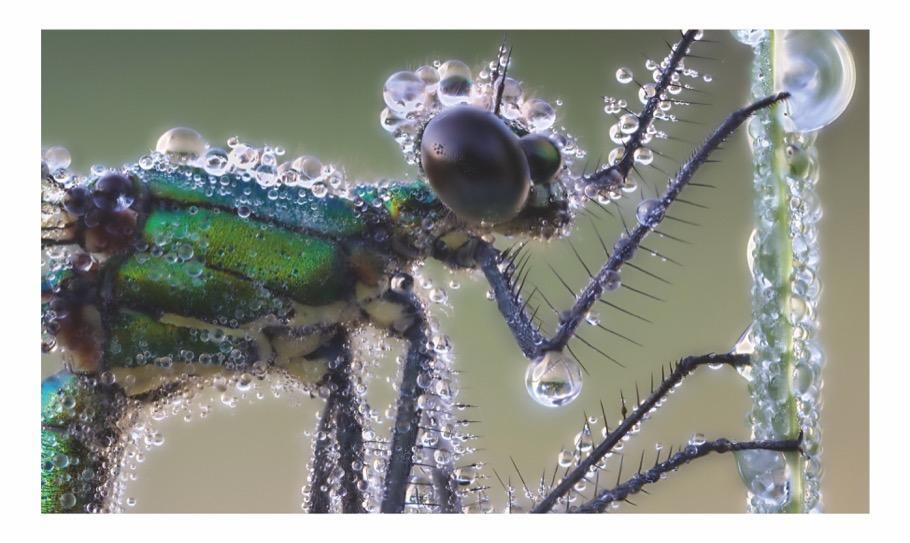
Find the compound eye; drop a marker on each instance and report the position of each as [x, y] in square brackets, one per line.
[475, 164]
[544, 158]
[113, 192]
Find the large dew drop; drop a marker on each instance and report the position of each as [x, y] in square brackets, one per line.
[766, 475]
[554, 379]
[455, 81]
[181, 143]
[404, 92]
[816, 67]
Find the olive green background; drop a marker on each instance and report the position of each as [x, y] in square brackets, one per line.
[107, 96]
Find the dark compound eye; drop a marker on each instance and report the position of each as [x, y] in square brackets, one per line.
[544, 158]
[113, 193]
[475, 164]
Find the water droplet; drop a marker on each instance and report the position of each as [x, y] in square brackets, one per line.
[555, 379]
[430, 77]
[628, 123]
[650, 212]
[750, 36]
[181, 143]
[816, 67]
[57, 158]
[766, 475]
[67, 500]
[584, 441]
[243, 157]
[539, 114]
[403, 92]
[624, 76]
[307, 166]
[612, 280]
[216, 162]
[455, 82]
[644, 156]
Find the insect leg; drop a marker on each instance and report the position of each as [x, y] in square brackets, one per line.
[496, 265]
[412, 419]
[339, 441]
[611, 178]
[635, 416]
[689, 453]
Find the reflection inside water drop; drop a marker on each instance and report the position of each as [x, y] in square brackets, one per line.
[766, 475]
[554, 380]
[816, 67]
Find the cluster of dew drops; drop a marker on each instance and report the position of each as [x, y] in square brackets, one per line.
[412, 98]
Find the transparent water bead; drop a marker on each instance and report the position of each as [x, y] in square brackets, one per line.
[554, 380]
[57, 158]
[455, 82]
[816, 67]
[181, 143]
[539, 114]
[750, 36]
[650, 212]
[430, 77]
[624, 76]
[404, 91]
[216, 162]
[766, 475]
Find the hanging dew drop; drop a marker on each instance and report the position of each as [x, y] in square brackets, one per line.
[584, 441]
[554, 380]
[628, 123]
[624, 76]
[565, 458]
[766, 474]
[816, 67]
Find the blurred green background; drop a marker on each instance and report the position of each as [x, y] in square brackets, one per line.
[108, 95]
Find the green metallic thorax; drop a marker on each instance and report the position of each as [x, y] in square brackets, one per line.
[220, 268]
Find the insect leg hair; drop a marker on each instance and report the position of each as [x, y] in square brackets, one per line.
[491, 260]
[691, 452]
[680, 371]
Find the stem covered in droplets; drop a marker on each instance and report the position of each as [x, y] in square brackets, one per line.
[785, 378]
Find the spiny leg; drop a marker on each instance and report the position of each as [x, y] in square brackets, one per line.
[339, 440]
[630, 420]
[612, 177]
[641, 478]
[498, 267]
[418, 375]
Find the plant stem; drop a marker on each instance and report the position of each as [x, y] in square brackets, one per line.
[785, 377]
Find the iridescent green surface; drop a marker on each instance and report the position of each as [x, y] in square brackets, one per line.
[190, 289]
[309, 270]
[295, 207]
[68, 471]
[135, 339]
